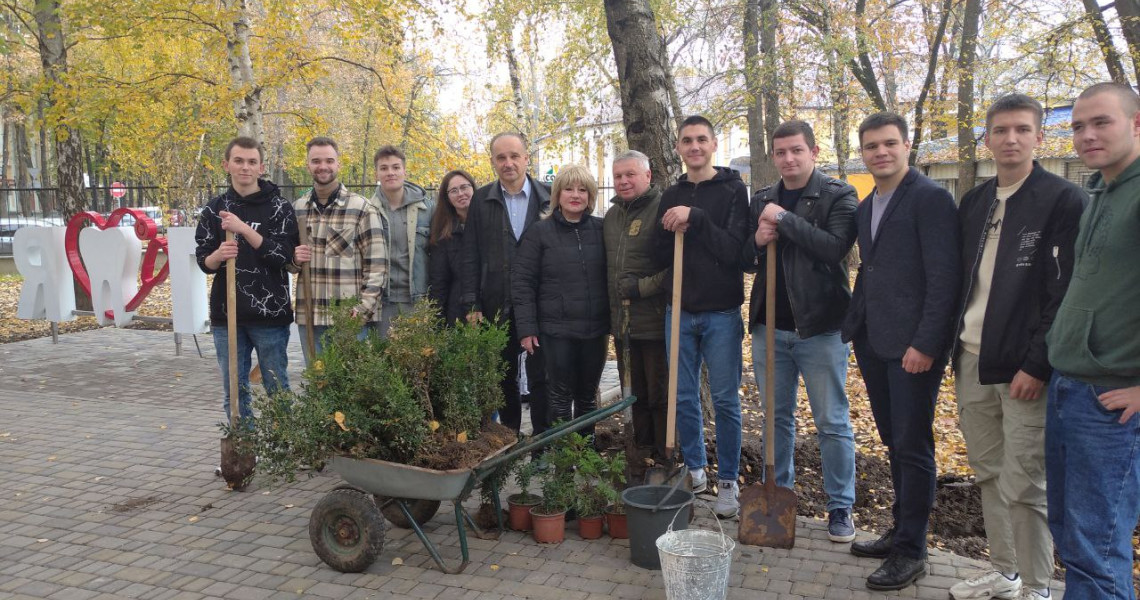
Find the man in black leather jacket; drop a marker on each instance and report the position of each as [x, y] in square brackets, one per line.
[811, 217]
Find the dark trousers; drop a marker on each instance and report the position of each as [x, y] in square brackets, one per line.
[649, 375]
[903, 406]
[511, 413]
[574, 368]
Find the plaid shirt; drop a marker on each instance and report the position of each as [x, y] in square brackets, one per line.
[350, 255]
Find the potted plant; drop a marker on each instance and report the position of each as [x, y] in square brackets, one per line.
[614, 473]
[519, 504]
[549, 516]
[559, 487]
[595, 490]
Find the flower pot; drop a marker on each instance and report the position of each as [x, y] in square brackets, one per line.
[519, 512]
[590, 528]
[617, 525]
[548, 529]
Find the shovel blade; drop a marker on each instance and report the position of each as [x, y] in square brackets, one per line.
[668, 476]
[767, 516]
[238, 461]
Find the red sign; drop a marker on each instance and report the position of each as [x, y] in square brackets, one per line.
[145, 230]
[118, 190]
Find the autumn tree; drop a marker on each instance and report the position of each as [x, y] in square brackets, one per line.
[967, 55]
[643, 70]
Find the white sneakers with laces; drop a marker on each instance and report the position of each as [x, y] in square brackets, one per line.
[700, 480]
[727, 506]
[988, 585]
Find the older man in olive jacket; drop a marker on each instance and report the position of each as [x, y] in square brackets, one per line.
[637, 297]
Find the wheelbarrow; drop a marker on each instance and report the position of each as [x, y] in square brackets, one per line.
[346, 526]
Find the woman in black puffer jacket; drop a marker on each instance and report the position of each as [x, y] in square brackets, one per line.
[445, 244]
[558, 288]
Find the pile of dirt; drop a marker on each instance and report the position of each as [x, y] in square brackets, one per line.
[444, 451]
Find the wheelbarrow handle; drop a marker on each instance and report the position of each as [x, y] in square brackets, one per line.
[550, 435]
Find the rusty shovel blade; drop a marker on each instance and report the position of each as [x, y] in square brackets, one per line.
[238, 461]
[767, 516]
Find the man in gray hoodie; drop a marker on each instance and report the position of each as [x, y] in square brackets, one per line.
[405, 214]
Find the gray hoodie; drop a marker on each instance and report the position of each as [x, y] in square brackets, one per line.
[407, 262]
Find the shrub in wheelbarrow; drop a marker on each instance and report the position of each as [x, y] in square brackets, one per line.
[423, 397]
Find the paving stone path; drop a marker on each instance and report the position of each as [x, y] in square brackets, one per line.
[107, 447]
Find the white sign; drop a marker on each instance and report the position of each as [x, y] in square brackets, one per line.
[112, 257]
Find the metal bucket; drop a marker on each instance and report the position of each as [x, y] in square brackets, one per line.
[695, 563]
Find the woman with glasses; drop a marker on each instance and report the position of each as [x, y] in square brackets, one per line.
[445, 244]
[558, 289]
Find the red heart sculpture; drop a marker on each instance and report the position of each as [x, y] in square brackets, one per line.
[145, 230]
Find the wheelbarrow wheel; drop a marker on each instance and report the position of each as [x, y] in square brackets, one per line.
[422, 511]
[346, 530]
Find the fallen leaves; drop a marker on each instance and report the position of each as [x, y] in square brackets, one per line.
[339, 418]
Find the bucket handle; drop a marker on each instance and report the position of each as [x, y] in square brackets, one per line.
[723, 537]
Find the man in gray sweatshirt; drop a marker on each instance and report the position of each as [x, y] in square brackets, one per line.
[405, 214]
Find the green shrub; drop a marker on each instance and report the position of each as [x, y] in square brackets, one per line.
[373, 398]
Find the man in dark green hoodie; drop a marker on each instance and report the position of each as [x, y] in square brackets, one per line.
[637, 289]
[1092, 431]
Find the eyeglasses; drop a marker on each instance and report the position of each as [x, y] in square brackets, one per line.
[466, 187]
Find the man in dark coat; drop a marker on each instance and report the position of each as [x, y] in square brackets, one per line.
[499, 214]
[901, 320]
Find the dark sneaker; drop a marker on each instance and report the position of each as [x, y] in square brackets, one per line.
[839, 526]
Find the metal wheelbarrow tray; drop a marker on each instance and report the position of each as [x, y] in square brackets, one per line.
[346, 526]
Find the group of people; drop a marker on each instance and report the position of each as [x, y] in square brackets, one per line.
[1029, 296]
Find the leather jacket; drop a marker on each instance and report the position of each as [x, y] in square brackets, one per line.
[819, 233]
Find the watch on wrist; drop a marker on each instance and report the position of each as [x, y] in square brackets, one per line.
[780, 217]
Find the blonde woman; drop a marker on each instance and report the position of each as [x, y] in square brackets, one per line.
[558, 288]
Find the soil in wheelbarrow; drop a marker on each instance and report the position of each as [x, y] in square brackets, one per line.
[447, 451]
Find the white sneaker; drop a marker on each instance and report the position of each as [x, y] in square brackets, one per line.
[1032, 594]
[727, 505]
[700, 480]
[988, 585]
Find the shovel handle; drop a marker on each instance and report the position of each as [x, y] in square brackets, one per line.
[626, 385]
[770, 361]
[231, 333]
[307, 285]
[675, 345]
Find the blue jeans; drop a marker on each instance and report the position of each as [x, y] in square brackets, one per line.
[1092, 468]
[271, 343]
[319, 334]
[712, 337]
[822, 360]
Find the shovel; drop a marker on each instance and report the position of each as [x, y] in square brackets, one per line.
[767, 512]
[675, 473]
[307, 285]
[237, 461]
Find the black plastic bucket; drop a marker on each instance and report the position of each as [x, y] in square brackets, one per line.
[645, 526]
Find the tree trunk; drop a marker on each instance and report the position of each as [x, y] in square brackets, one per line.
[760, 84]
[68, 146]
[840, 112]
[967, 60]
[1129, 11]
[1104, 40]
[247, 106]
[860, 65]
[643, 71]
[931, 69]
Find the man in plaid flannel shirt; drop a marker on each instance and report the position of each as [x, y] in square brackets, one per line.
[346, 246]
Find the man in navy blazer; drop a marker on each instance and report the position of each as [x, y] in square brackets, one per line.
[901, 320]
